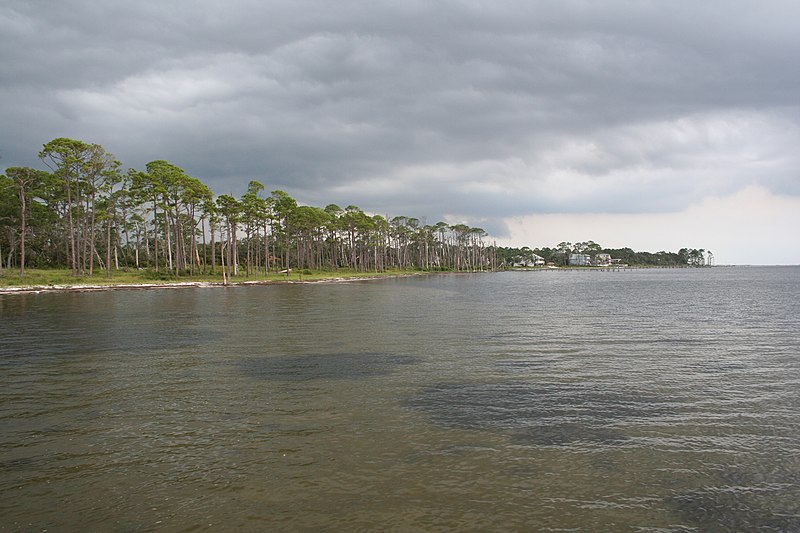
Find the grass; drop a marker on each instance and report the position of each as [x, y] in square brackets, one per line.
[63, 277]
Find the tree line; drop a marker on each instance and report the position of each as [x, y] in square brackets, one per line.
[86, 213]
[559, 255]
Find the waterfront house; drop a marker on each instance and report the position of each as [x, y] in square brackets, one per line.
[602, 260]
[579, 260]
[531, 261]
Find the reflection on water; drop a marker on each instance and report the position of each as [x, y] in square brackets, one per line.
[662, 400]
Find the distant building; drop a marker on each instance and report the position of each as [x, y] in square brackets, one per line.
[529, 262]
[580, 260]
[602, 260]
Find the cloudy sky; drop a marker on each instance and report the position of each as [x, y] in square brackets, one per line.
[654, 124]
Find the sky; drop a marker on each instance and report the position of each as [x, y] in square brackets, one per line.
[652, 124]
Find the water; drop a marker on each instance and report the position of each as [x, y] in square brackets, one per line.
[652, 400]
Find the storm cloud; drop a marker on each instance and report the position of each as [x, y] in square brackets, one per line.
[459, 110]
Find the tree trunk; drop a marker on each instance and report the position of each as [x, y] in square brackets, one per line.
[266, 250]
[155, 234]
[72, 257]
[22, 232]
[91, 236]
[108, 246]
[213, 247]
[203, 231]
[168, 244]
[234, 252]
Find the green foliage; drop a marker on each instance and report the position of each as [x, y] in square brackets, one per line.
[559, 255]
[165, 224]
[161, 224]
[158, 275]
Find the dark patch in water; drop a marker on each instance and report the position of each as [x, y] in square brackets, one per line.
[159, 341]
[21, 463]
[560, 434]
[741, 508]
[721, 367]
[525, 365]
[324, 366]
[541, 414]
[46, 345]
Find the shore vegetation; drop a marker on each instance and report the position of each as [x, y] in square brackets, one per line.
[60, 279]
[87, 214]
[83, 218]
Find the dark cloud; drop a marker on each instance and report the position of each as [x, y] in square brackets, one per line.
[464, 109]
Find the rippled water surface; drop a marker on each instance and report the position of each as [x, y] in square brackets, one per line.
[651, 400]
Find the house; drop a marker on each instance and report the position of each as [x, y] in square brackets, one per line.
[530, 261]
[579, 260]
[602, 260]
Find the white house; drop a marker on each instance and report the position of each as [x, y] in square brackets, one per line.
[529, 262]
[602, 260]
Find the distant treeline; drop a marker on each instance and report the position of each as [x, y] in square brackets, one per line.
[560, 255]
[85, 213]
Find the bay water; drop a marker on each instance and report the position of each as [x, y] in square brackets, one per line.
[638, 400]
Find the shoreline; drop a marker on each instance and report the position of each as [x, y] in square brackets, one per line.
[39, 289]
[88, 287]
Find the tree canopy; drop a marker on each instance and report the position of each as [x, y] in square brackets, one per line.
[559, 255]
[84, 212]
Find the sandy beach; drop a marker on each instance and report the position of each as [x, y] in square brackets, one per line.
[37, 289]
